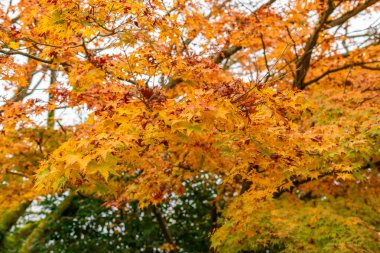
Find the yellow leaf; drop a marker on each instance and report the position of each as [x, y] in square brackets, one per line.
[14, 45]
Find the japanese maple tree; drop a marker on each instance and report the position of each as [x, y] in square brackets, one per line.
[255, 111]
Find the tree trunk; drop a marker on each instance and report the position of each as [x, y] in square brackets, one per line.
[303, 63]
[9, 219]
[38, 232]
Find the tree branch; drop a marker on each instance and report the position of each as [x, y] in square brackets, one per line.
[296, 183]
[351, 13]
[9, 218]
[38, 232]
[360, 64]
[293, 41]
[227, 53]
[370, 68]
[303, 63]
[265, 57]
[12, 52]
[163, 225]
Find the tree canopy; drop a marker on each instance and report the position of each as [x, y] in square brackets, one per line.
[206, 126]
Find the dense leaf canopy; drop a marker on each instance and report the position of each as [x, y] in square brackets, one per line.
[214, 125]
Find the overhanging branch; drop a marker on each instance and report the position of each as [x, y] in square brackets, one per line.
[360, 64]
[342, 19]
[296, 183]
[14, 52]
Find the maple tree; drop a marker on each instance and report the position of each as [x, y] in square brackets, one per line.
[216, 125]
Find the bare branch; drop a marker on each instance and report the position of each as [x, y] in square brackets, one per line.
[227, 53]
[293, 41]
[361, 64]
[351, 13]
[14, 52]
[303, 63]
[370, 68]
[265, 55]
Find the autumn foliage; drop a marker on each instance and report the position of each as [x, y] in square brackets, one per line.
[206, 126]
